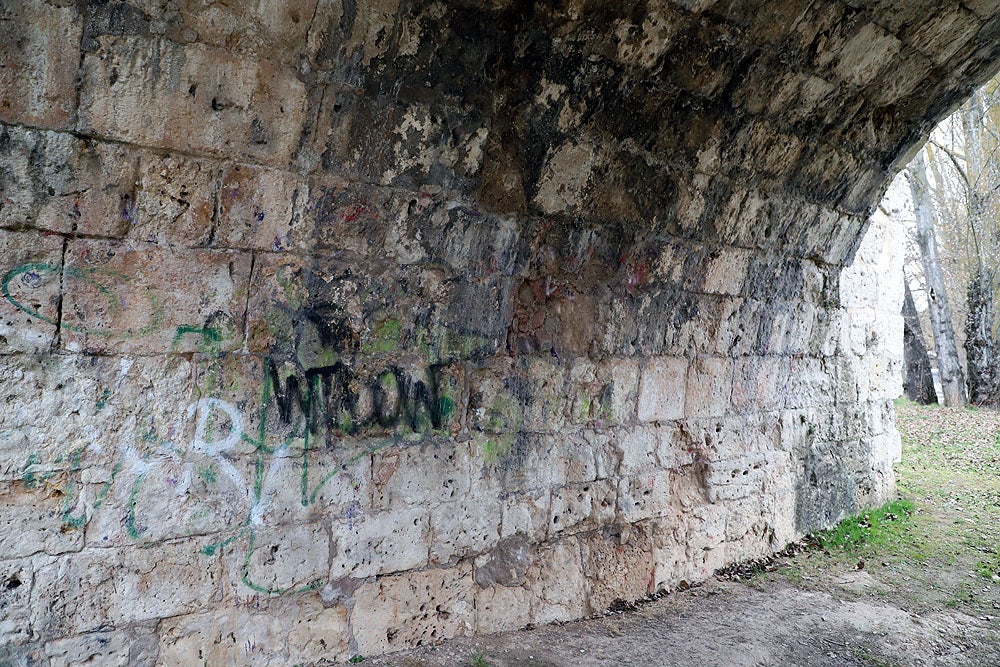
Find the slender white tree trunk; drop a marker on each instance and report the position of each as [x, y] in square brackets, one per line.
[949, 365]
[918, 383]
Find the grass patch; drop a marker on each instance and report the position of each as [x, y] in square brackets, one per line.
[936, 548]
[882, 526]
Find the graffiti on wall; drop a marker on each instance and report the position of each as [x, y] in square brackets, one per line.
[232, 460]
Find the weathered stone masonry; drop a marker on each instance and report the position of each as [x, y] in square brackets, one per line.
[332, 327]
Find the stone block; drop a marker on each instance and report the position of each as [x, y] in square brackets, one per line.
[38, 517]
[661, 389]
[546, 409]
[144, 299]
[617, 565]
[175, 199]
[528, 462]
[688, 547]
[122, 648]
[747, 475]
[637, 449]
[100, 401]
[469, 526]
[191, 98]
[41, 47]
[759, 383]
[588, 456]
[502, 609]
[556, 583]
[380, 543]
[371, 139]
[421, 475]
[29, 309]
[564, 177]
[644, 496]
[97, 587]
[624, 389]
[413, 609]
[944, 34]
[709, 387]
[16, 583]
[865, 54]
[579, 507]
[809, 383]
[58, 182]
[737, 319]
[507, 564]
[725, 273]
[261, 209]
[526, 513]
[292, 630]
[275, 30]
[281, 559]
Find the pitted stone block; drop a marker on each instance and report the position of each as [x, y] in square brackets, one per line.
[556, 586]
[578, 507]
[275, 632]
[644, 496]
[89, 186]
[443, 475]
[466, 527]
[16, 583]
[709, 387]
[380, 543]
[175, 200]
[422, 607]
[136, 646]
[280, 559]
[260, 209]
[661, 391]
[144, 299]
[29, 309]
[98, 587]
[618, 565]
[191, 98]
[43, 39]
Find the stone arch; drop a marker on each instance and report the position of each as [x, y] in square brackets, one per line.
[514, 307]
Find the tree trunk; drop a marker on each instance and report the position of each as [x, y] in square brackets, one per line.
[918, 382]
[949, 365]
[980, 345]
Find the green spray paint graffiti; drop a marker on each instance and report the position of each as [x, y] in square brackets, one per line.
[100, 282]
[292, 417]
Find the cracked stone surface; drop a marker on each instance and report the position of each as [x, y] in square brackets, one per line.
[331, 328]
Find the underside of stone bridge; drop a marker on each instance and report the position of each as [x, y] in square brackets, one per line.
[334, 327]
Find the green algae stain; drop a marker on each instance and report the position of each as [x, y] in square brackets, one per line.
[384, 338]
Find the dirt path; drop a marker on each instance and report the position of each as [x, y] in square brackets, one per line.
[920, 588]
[734, 625]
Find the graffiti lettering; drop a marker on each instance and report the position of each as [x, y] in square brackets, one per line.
[335, 398]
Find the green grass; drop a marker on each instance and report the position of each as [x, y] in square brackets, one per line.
[938, 546]
[479, 660]
[876, 528]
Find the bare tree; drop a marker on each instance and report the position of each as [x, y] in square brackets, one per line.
[918, 382]
[949, 364]
[965, 164]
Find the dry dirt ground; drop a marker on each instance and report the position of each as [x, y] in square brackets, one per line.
[917, 584]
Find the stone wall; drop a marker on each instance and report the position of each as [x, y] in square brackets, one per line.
[331, 329]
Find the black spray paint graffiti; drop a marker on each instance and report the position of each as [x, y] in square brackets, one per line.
[301, 403]
[335, 399]
[299, 407]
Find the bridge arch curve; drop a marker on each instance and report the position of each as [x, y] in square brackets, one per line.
[518, 307]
